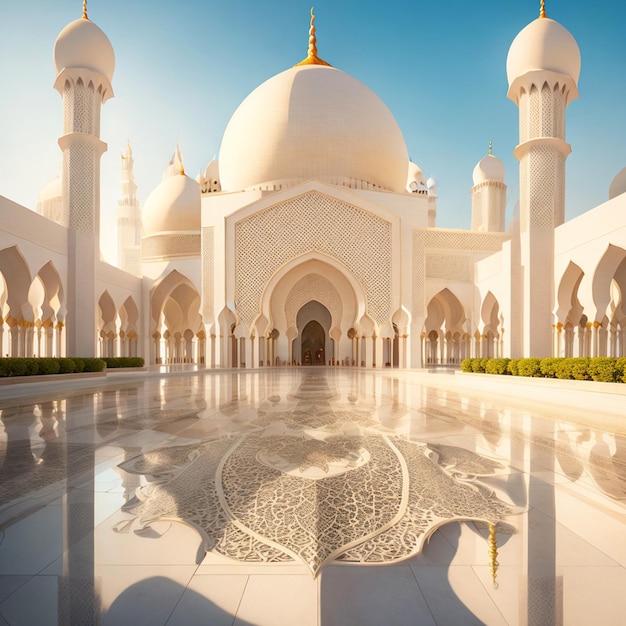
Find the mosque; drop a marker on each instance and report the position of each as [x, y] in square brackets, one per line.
[312, 240]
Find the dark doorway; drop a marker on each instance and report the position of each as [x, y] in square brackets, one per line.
[313, 343]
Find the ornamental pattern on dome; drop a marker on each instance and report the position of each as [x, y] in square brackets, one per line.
[360, 240]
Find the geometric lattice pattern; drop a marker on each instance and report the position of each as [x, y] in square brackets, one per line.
[547, 112]
[267, 240]
[316, 287]
[68, 108]
[315, 482]
[208, 262]
[542, 168]
[437, 243]
[544, 162]
[449, 267]
[83, 108]
[83, 160]
[535, 110]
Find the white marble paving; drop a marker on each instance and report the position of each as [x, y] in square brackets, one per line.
[62, 527]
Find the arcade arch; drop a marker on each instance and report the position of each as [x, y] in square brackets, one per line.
[596, 326]
[177, 331]
[444, 341]
[491, 336]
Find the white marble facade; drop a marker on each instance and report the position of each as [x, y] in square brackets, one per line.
[315, 242]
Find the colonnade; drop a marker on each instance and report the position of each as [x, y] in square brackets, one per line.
[230, 351]
[590, 339]
[24, 338]
[439, 348]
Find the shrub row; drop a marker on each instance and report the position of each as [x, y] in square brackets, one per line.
[17, 366]
[123, 361]
[601, 369]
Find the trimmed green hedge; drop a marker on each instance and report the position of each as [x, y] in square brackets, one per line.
[123, 361]
[529, 367]
[17, 366]
[600, 369]
[497, 366]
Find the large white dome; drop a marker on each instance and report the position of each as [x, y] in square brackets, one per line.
[543, 45]
[313, 121]
[81, 44]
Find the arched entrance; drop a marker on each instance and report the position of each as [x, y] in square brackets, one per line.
[313, 344]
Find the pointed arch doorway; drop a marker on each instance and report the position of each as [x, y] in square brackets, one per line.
[313, 344]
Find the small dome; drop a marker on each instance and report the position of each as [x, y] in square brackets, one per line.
[212, 171]
[50, 200]
[81, 44]
[312, 121]
[433, 186]
[416, 181]
[174, 206]
[618, 185]
[490, 167]
[53, 191]
[543, 45]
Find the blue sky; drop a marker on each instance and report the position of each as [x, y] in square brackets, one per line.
[183, 68]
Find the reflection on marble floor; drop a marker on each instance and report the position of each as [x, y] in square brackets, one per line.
[267, 497]
[315, 481]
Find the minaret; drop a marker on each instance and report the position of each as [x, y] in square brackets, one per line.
[543, 66]
[129, 219]
[84, 61]
[488, 194]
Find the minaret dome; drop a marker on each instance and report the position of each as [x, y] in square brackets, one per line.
[543, 45]
[82, 44]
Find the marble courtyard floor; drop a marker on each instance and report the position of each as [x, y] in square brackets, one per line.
[311, 496]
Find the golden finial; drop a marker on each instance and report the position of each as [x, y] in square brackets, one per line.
[179, 157]
[490, 151]
[542, 9]
[493, 554]
[312, 58]
[85, 10]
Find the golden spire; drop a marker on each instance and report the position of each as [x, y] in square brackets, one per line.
[179, 158]
[85, 10]
[312, 58]
[490, 151]
[542, 9]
